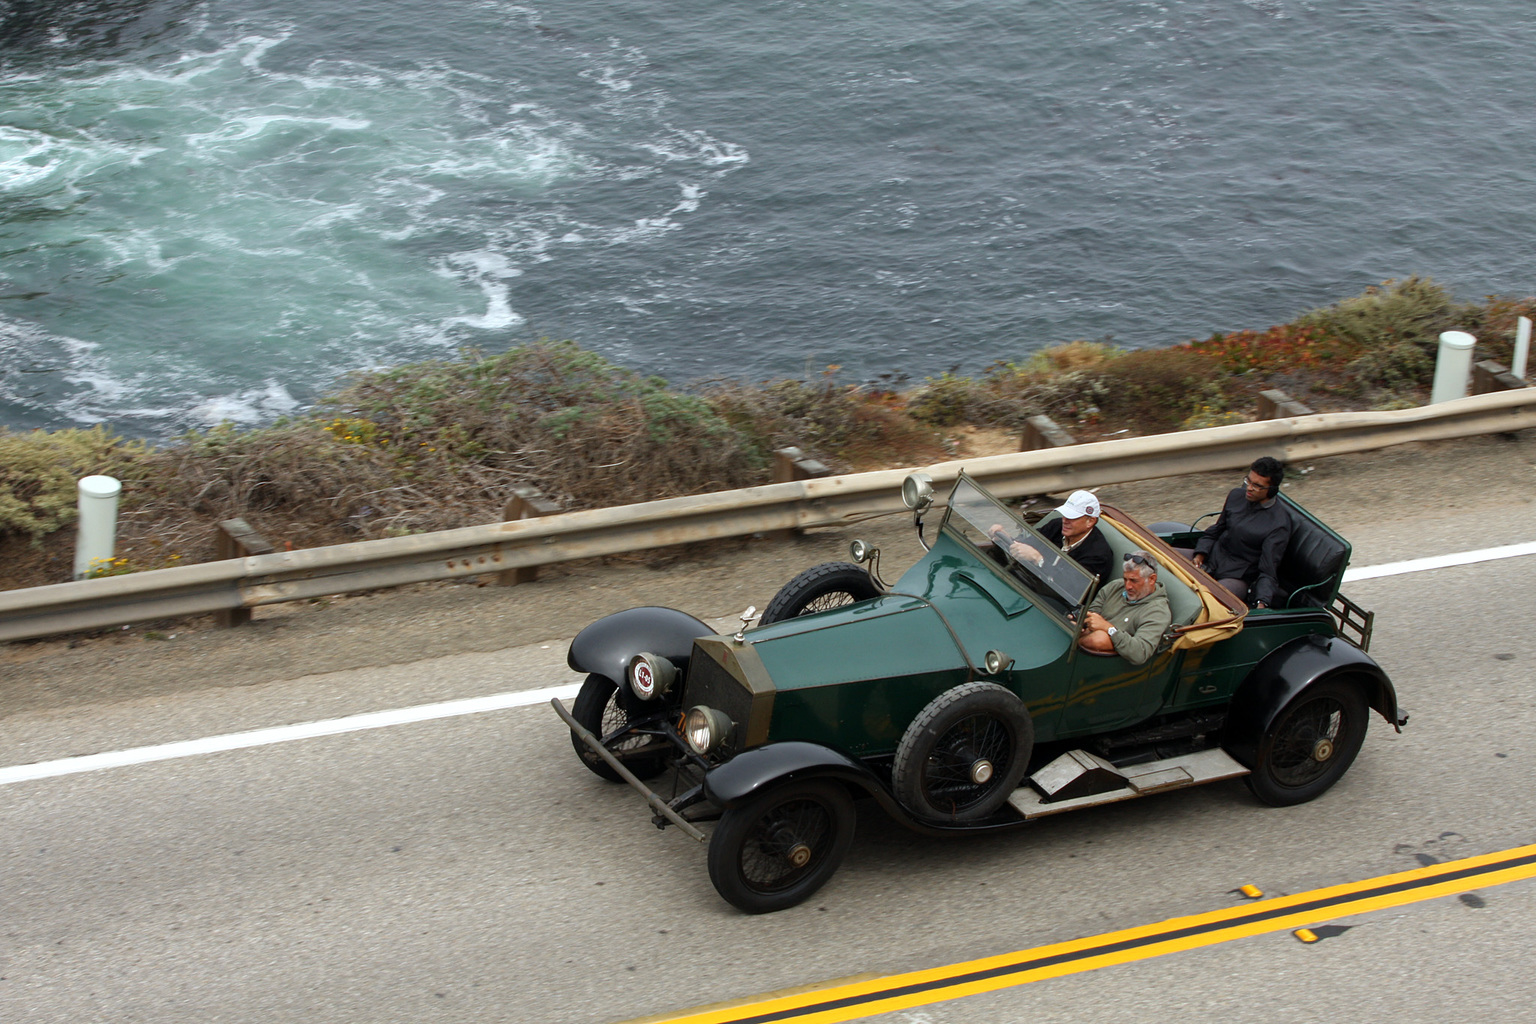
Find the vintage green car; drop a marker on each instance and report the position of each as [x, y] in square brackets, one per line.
[959, 698]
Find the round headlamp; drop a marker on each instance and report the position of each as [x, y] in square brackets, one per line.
[650, 675]
[997, 661]
[917, 491]
[705, 729]
[859, 550]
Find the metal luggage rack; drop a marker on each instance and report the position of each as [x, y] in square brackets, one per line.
[1353, 619]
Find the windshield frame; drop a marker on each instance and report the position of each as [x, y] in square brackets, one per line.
[972, 511]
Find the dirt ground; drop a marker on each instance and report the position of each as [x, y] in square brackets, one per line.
[409, 624]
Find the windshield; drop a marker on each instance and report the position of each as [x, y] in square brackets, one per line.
[1007, 539]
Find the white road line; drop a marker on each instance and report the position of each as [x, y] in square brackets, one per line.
[1371, 572]
[282, 734]
[502, 701]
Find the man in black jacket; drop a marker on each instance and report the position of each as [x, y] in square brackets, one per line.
[1244, 547]
[1076, 533]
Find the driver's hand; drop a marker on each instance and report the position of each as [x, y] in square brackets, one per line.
[1024, 553]
[1095, 621]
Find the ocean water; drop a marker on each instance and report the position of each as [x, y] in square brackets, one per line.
[214, 210]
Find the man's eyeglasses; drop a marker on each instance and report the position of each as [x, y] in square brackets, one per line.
[1248, 483]
[1138, 558]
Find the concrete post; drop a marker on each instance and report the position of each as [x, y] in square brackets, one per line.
[1453, 367]
[1522, 346]
[96, 538]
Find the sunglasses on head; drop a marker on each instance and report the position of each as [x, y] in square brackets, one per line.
[1137, 558]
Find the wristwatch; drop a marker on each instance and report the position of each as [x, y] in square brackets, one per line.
[1113, 631]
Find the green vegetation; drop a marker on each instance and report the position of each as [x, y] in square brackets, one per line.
[441, 444]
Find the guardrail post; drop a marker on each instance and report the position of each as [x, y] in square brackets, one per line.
[792, 464]
[1276, 404]
[235, 539]
[1453, 367]
[1042, 432]
[96, 536]
[527, 503]
[1489, 376]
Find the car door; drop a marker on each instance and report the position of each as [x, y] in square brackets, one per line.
[1108, 692]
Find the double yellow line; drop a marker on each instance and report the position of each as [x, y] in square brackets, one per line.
[868, 996]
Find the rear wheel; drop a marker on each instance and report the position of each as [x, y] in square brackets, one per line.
[600, 708]
[776, 850]
[964, 753]
[1310, 745]
[824, 586]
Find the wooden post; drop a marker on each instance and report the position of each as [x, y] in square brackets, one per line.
[1276, 404]
[236, 539]
[526, 503]
[791, 464]
[1490, 375]
[1042, 432]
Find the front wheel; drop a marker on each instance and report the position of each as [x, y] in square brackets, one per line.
[600, 708]
[1310, 745]
[776, 850]
[824, 586]
[964, 753]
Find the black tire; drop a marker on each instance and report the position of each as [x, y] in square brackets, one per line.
[600, 709]
[824, 586]
[962, 731]
[754, 851]
[1311, 744]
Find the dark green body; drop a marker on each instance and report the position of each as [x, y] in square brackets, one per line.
[854, 677]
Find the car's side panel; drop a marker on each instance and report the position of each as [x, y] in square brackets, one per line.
[1287, 672]
[1110, 693]
[1210, 675]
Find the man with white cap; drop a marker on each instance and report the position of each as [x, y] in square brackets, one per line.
[1077, 533]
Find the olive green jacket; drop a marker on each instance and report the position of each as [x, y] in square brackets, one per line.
[1139, 625]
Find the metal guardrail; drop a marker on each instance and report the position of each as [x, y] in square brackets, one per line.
[368, 565]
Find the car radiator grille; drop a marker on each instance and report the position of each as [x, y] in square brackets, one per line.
[712, 684]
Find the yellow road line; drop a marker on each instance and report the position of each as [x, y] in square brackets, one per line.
[866, 997]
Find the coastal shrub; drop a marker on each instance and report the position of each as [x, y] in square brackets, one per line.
[39, 474]
[841, 424]
[944, 401]
[1413, 310]
[554, 415]
[1065, 358]
[1157, 388]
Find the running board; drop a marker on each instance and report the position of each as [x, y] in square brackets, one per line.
[1078, 769]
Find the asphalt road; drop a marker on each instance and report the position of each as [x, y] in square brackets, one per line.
[469, 869]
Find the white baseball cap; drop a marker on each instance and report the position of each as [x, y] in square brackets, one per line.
[1079, 504]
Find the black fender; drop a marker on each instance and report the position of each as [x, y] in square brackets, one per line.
[605, 647]
[744, 775]
[1287, 671]
[750, 772]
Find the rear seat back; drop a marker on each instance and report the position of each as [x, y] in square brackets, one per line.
[1314, 561]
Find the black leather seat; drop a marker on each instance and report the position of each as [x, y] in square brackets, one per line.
[1313, 564]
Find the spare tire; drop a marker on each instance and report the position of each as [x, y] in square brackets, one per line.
[824, 586]
[964, 753]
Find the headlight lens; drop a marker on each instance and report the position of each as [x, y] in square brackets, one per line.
[705, 729]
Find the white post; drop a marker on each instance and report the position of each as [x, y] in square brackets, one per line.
[1522, 346]
[1453, 367]
[97, 538]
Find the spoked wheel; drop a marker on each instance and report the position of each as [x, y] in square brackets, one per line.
[600, 708]
[1311, 744]
[964, 754]
[779, 848]
[819, 588]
